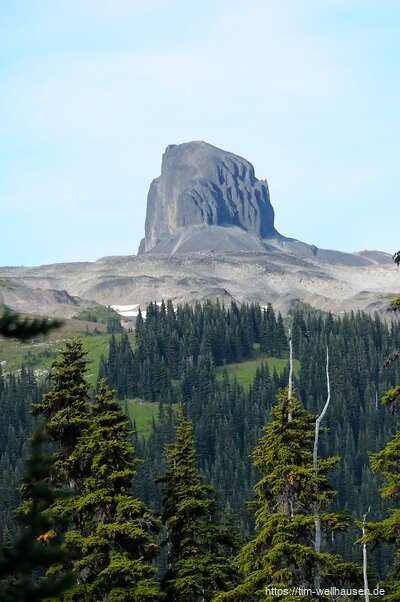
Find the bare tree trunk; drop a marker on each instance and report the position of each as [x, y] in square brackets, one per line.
[365, 560]
[317, 520]
[287, 502]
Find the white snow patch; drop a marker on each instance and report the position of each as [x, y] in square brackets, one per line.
[127, 311]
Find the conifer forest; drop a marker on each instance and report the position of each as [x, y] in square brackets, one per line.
[284, 486]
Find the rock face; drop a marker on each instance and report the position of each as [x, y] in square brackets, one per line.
[206, 199]
[209, 234]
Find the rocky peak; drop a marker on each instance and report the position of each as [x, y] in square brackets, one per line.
[206, 189]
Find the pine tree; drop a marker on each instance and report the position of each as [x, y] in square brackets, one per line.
[39, 546]
[112, 364]
[110, 543]
[230, 534]
[196, 568]
[387, 462]
[65, 407]
[15, 326]
[282, 554]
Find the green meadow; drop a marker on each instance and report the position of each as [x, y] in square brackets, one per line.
[40, 354]
[245, 371]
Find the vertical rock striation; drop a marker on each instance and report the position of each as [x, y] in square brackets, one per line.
[202, 192]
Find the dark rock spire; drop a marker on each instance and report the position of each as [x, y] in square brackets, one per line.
[206, 199]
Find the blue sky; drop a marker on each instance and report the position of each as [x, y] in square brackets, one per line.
[92, 91]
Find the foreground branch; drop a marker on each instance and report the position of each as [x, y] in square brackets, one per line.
[13, 325]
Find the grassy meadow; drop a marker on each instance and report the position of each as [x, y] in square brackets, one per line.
[40, 353]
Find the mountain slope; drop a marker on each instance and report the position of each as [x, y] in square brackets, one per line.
[328, 280]
[209, 233]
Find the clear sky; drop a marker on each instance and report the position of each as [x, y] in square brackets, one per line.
[92, 91]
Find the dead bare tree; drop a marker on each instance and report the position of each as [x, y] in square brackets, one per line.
[317, 520]
[365, 560]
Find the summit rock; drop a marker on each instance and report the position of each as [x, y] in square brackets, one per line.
[206, 199]
[209, 234]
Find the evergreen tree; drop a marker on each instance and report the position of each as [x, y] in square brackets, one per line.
[39, 546]
[230, 535]
[196, 569]
[228, 417]
[13, 325]
[65, 407]
[110, 542]
[387, 463]
[282, 553]
[114, 324]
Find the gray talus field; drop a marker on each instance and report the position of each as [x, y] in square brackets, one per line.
[209, 233]
[277, 277]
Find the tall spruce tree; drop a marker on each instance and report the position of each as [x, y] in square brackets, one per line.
[65, 407]
[387, 463]
[110, 542]
[196, 568]
[39, 546]
[281, 555]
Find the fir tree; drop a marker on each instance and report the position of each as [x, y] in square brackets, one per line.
[282, 553]
[39, 547]
[110, 543]
[387, 463]
[196, 568]
[13, 325]
[65, 407]
[230, 535]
